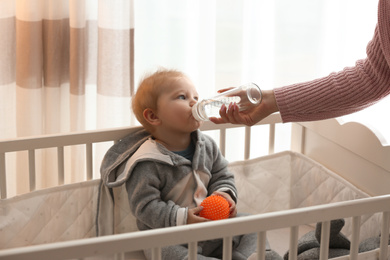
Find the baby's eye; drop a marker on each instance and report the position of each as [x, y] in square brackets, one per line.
[182, 97]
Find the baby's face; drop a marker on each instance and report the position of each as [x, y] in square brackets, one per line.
[174, 106]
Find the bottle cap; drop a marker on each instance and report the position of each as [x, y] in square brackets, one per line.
[195, 113]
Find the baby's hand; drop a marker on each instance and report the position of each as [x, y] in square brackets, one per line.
[193, 216]
[232, 204]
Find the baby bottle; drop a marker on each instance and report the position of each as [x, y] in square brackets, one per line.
[245, 96]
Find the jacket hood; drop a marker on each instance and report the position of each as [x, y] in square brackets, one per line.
[119, 153]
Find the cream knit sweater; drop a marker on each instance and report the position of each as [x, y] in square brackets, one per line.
[347, 91]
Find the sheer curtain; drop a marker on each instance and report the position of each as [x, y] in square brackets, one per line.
[72, 65]
[273, 43]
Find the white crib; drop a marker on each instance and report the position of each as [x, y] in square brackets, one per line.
[349, 155]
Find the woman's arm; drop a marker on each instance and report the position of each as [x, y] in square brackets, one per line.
[341, 93]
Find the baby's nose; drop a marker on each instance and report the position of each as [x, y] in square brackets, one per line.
[193, 102]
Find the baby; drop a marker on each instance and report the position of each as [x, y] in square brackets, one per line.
[173, 167]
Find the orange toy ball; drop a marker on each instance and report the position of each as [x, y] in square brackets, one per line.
[215, 207]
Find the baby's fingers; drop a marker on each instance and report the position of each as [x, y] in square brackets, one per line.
[196, 211]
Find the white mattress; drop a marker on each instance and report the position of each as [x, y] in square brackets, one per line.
[291, 180]
[50, 215]
[276, 182]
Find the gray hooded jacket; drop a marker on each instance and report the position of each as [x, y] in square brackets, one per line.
[162, 185]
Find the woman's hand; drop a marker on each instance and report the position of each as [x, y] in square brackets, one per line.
[250, 116]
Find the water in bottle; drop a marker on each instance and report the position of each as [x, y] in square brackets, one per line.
[245, 96]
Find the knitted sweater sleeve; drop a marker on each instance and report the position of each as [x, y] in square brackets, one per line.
[344, 92]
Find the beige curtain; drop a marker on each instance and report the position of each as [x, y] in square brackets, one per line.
[60, 60]
[65, 65]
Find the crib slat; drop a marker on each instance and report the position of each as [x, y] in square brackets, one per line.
[298, 134]
[3, 178]
[247, 142]
[192, 250]
[271, 143]
[31, 168]
[261, 243]
[156, 253]
[325, 234]
[293, 251]
[119, 256]
[384, 236]
[355, 237]
[60, 165]
[227, 248]
[222, 140]
[89, 161]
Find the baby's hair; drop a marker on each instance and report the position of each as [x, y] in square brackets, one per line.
[149, 90]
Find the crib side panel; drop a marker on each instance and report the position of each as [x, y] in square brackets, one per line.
[351, 150]
[158, 238]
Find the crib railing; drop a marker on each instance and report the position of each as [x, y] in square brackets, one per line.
[88, 138]
[118, 245]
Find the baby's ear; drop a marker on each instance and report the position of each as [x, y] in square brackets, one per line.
[151, 117]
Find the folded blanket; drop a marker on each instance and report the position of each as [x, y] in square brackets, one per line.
[309, 244]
